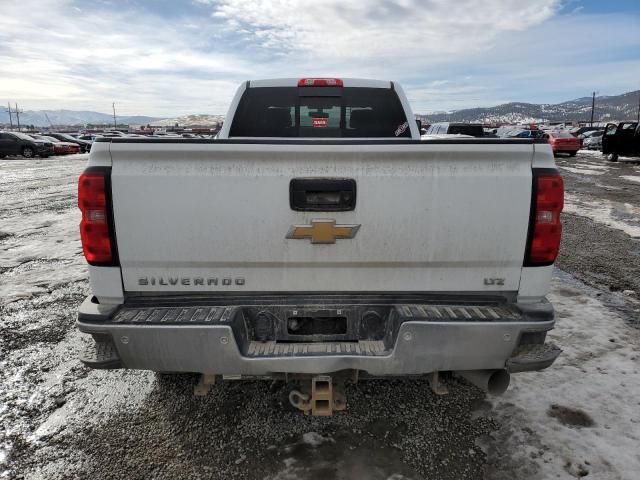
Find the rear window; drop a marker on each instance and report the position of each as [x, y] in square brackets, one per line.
[22, 136]
[473, 130]
[562, 135]
[319, 112]
[65, 136]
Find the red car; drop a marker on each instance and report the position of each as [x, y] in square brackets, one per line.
[61, 148]
[563, 142]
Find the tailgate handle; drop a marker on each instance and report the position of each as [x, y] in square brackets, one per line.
[322, 194]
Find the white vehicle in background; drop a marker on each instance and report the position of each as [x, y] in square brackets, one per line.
[592, 140]
[318, 238]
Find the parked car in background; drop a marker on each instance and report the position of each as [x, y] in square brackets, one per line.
[525, 133]
[519, 132]
[504, 129]
[112, 134]
[16, 143]
[582, 130]
[621, 139]
[591, 133]
[85, 145]
[59, 148]
[89, 137]
[442, 128]
[562, 142]
[592, 140]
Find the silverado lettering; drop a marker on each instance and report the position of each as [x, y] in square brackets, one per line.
[145, 281]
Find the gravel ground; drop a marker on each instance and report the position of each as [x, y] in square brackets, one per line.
[601, 237]
[61, 420]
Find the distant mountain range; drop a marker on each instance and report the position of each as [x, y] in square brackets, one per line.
[608, 108]
[38, 118]
[72, 117]
[201, 120]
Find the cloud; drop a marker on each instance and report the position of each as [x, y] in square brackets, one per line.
[553, 62]
[330, 29]
[146, 63]
[172, 58]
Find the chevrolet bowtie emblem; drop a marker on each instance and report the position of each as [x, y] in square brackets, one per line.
[323, 231]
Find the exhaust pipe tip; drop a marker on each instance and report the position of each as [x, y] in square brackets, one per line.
[498, 382]
[494, 382]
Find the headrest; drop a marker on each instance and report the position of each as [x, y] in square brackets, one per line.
[362, 119]
[278, 118]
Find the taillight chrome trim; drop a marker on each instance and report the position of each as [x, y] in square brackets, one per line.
[90, 216]
[529, 258]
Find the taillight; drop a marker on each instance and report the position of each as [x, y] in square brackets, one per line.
[320, 82]
[545, 229]
[96, 232]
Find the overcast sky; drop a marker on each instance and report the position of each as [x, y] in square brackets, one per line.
[167, 57]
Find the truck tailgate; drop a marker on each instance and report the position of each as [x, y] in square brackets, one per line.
[204, 217]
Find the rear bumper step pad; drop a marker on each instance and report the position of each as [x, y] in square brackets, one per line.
[101, 355]
[279, 349]
[171, 315]
[203, 315]
[529, 358]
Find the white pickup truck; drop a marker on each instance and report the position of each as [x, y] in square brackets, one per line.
[316, 237]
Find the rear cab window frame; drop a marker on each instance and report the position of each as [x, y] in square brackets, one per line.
[326, 102]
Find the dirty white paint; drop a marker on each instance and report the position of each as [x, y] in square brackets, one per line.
[432, 217]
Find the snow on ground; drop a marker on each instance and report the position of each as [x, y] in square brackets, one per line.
[631, 178]
[40, 244]
[593, 165]
[583, 171]
[598, 154]
[587, 164]
[621, 216]
[40, 263]
[46, 384]
[591, 153]
[581, 416]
